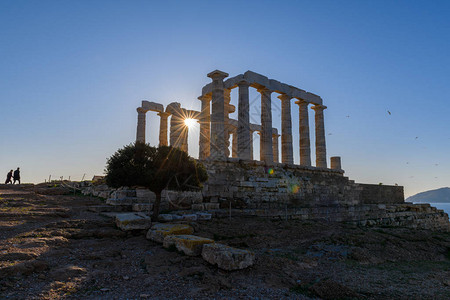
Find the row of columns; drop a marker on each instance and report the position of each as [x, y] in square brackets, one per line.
[242, 145]
[215, 131]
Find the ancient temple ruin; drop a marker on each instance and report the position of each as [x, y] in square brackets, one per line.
[216, 127]
[267, 187]
[266, 179]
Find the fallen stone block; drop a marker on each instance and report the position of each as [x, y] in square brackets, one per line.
[209, 206]
[159, 231]
[165, 217]
[203, 216]
[190, 217]
[227, 258]
[133, 221]
[197, 207]
[188, 244]
[141, 207]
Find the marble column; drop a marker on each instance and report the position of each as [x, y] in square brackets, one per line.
[275, 147]
[234, 145]
[227, 110]
[335, 163]
[321, 149]
[178, 132]
[287, 155]
[243, 130]
[163, 128]
[140, 131]
[217, 140]
[251, 145]
[261, 155]
[266, 125]
[205, 126]
[305, 145]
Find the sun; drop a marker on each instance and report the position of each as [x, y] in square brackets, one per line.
[190, 123]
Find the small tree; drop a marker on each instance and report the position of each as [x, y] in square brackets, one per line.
[157, 169]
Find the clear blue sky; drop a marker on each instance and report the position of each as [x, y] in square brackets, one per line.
[73, 72]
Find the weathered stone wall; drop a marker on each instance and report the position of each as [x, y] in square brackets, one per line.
[408, 215]
[374, 194]
[251, 184]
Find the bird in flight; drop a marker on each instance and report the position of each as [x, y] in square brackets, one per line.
[389, 112]
[348, 116]
[417, 137]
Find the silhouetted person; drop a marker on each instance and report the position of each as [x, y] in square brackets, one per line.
[8, 177]
[16, 176]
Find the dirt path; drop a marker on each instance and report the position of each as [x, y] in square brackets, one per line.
[52, 247]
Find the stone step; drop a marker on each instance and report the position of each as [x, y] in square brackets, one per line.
[191, 245]
[159, 231]
[133, 221]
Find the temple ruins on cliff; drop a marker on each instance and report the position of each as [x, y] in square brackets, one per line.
[266, 186]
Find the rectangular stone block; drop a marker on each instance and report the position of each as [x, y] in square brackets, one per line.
[209, 206]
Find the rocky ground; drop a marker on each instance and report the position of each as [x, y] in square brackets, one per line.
[52, 247]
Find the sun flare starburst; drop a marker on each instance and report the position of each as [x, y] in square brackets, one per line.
[190, 122]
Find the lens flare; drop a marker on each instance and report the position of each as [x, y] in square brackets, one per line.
[190, 122]
[270, 171]
[294, 188]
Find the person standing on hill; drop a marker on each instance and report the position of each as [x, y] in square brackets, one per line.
[8, 177]
[16, 176]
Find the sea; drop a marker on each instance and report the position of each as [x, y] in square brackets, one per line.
[444, 206]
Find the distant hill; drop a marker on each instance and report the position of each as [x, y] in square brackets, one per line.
[441, 195]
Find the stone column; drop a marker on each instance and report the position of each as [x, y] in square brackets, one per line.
[163, 128]
[234, 145]
[275, 147]
[335, 163]
[287, 155]
[178, 132]
[251, 145]
[217, 141]
[227, 110]
[243, 130]
[321, 149]
[305, 146]
[261, 155]
[266, 125]
[205, 126]
[140, 131]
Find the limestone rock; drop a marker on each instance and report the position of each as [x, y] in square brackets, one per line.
[159, 231]
[165, 217]
[133, 221]
[188, 244]
[203, 216]
[227, 258]
[141, 207]
[190, 217]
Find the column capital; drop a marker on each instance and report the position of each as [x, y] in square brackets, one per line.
[163, 114]
[217, 75]
[206, 97]
[141, 110]
[284, 97]
[243, 83]
[264, 90]
[301, 102]
[276, 135]
[319, 107]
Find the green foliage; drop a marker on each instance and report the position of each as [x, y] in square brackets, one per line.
[154, 168]
[157, 169]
